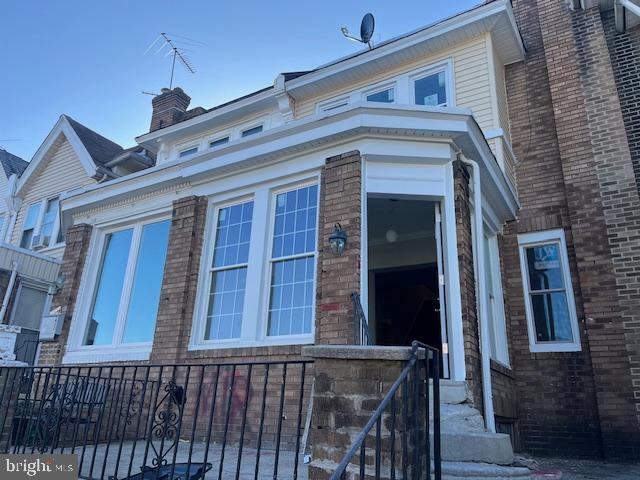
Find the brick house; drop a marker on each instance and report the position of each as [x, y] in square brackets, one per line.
[484, 170]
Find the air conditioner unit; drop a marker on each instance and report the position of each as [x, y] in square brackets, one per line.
[40, 241]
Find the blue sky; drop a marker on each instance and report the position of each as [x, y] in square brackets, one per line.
[86, 58]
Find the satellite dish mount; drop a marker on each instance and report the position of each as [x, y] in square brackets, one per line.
[367, 27]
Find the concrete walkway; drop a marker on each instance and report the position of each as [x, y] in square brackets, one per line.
[572, 469]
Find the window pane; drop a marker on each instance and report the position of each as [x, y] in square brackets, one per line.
[109, 288]
[551, 316]
[29, 308]
[189, 151]
[291, 297]
[385, 96]
[295, 222]
[32, 217]
[252, 131]
[545, 269]
[147, 282]
[49, 220]
[431, 90]
[233, 235]
[25, 240]
[218, 142]
[226, 302]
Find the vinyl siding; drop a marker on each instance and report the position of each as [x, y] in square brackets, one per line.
[60, 172]
[471, 81]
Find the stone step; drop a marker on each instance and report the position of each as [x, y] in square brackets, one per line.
[482, 447]
[451, 392]
[472, 470]
[459, 418]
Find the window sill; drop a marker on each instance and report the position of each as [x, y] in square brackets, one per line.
[233, 344]
[106, 355]
[554, 347]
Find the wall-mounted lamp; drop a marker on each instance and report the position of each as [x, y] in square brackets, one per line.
[338, 240]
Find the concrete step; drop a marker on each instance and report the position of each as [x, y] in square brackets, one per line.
[472, 470]
[451, 392]
[459, 418]
[481, 447]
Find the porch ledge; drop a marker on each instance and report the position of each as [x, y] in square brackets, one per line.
[357, 352]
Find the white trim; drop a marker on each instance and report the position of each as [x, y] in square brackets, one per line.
[76, 351]
[445, 66]
[255, 309]
[501, 354]
[387, 85]
[527, 240]
[333, 104]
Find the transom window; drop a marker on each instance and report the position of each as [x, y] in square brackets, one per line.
[291, 296]
[219, 142]
[229, 272]
[431, 90]
[383, 96]
[549, 299]
[127, 288]
[251, 131]
[188, 151]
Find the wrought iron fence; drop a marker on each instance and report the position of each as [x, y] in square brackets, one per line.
[362, 334]
[244, 420]
[402, 437]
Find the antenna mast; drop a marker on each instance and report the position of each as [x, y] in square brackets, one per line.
[176, 51]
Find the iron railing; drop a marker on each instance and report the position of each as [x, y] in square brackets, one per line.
[243, 420]
[404, 430]
[362, 335]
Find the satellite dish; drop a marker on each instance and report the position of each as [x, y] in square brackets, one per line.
[366, 30]
[367, 27]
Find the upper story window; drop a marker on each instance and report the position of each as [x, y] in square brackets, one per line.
[126, 290]
[251, 131]
[431, 89]
[41, 226]
[382, 96]
[188, 151]
[218, 142]
[546, 279]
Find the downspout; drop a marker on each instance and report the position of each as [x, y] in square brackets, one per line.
[7, 294]
[477, 235]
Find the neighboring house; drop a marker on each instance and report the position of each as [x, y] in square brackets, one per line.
[72, 156]
[488, 196]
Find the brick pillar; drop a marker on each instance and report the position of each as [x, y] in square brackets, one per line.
[472, 357]
[180, 281]
[350, 383]
[338, 277]
[73, 261]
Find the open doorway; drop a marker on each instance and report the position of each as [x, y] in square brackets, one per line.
[405, 277]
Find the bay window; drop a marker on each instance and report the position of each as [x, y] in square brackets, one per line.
[550, 306]
[127, 287]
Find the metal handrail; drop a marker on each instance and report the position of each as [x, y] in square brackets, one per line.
[362, 335]
[420, 391]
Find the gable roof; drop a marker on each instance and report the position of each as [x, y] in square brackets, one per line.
[12, 164]
[101, 149]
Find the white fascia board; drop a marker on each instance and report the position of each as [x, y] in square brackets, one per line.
[423, 35]
[62, 126]
[410, 123]
[200, 123]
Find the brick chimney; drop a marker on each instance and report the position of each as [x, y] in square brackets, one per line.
[168, 108]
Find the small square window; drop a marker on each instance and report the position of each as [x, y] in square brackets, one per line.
[383, 96]
[252, 131]
[189, 151]
[219, 142]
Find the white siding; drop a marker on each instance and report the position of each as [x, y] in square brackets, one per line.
[59, 172]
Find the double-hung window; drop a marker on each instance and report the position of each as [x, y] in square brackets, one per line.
[229, 272]
[29, 225]
[550, 306]
[291, 296]
[126, 293]
[41, 225]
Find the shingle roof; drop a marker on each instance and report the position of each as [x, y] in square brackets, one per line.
[101, 149]
[12, 164]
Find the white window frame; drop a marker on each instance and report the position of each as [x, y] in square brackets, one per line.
[381, 88]
[246, 128]
[501, 355]
[39, 221]
[333, 104]
[445, 66]
[182, 153]
[256, 303]
[533, 239]
[77, 352]
[217, 138]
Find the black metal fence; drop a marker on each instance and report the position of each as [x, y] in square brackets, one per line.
[402, 438]
[245, 420]
[361, 334]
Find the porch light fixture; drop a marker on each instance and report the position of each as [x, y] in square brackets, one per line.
[337, 240]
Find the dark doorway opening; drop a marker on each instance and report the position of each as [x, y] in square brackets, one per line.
[407, 306]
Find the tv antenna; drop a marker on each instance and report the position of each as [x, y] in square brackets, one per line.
[2, 140]
[175, 50]
[367, 26]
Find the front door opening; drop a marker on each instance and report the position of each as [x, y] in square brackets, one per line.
[405, 291]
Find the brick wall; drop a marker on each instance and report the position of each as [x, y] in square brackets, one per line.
[75, 253]
[338, 277]
[472, 357]
[567, 134]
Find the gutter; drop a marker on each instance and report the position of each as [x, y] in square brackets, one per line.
[477, 234]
